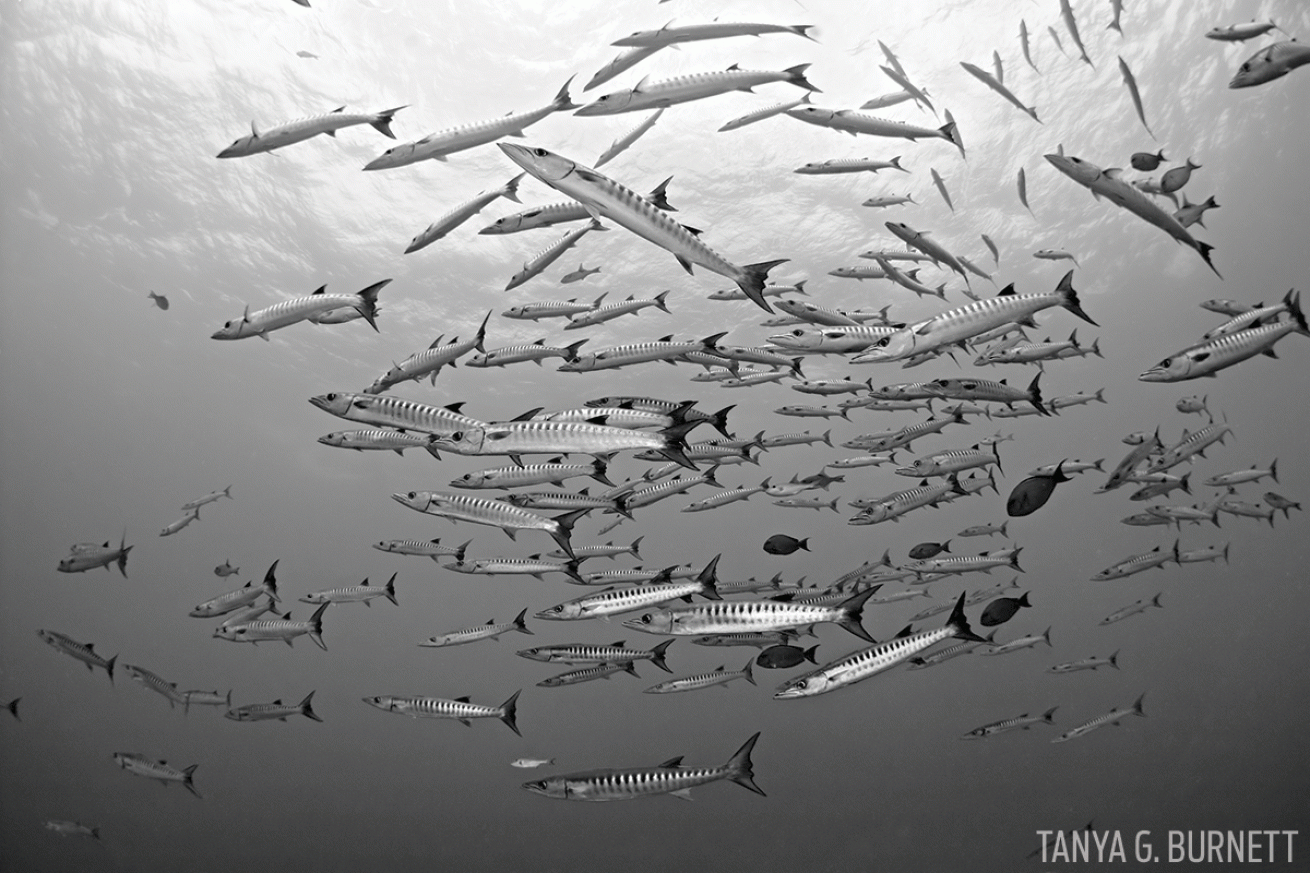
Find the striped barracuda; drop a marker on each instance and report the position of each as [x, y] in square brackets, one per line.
[909, 279]
[663, 349]
[462, 213]
[1222, 352]
[1127, 467]
[1157, 557]
[955, 326]
[1111, 717]
[304, 128]
[623, 142]
[140, 765]
[986, 562]
[1018, 643]
[552, 473]
[488, 631]
[563, 501]
[608, 550]
[987, 390]
[275, 710]
[668, 34]
[288, 312]
[877, 658]
[1019, 722]
[723, 498]
[619, 600]
[493, 513]
[918, 662]
[84, 652]
[611, 311]
[1108, 184]
[459, 709]
[536, 352]
[376, 440]
[284, 629]
[587, 674]
[436, 146]
[423, 548]
[832, 340]
[654, 493]
[1191, 445]
[563, 437]
[551, 254]
[761, 114]
[385, 411]
[533, 566]
[584, 653]
[945, 463]
[361, 593]
[244, 596]
[156, 683]
[995, 84]
[604, 197]
[430, 361]
[558, 213]
[88, 556]
[718, 676]
[854, 123]
[1243, 320]
[697, 86]
[668, 778]
[1132, 609]
[815, 314]
[740, 616]
[612, 416]
[849, 165]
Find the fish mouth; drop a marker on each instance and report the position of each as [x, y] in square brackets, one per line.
[516, 153]
[592, 109]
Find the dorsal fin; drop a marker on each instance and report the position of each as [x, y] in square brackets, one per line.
[672, 762]
[322, 289]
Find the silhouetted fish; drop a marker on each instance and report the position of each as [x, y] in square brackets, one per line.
[781, 657]
[1002, 609]
[1032, 493]
[781, 544]
[928, 550]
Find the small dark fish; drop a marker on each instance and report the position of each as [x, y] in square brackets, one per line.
[1002, 609]
[1147, 162]
[160, 300]
[928, 550]
[781, 657]
[1032, 493]
[1176, 178]
[781, 544]
[304, 54]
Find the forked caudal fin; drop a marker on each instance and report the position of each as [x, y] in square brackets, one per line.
[382, 121]
[368, 303]
[564, 530]
[1071, 302]
[509, 711]
[752, 282]
[959, 623]
[739, 767]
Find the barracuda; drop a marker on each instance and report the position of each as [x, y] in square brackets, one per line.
[493, 513]
[551, 253]
[532, 566]
[623, 142]
[697, 681]
[668, 35]
[622, 62]
[436, 146]
[1090, 663]
[552, 473]
[88, 556]
[1134, 608]
[992, 82]
[551, 308]
[602, 314]
[1190, 446]
[668, 778]
[955, 326]
[1126, 467]
[608, 550]
[604, 197]
[582, 653]
[535, 352]
[277, 710]
[559, 213]
[385, 411]
[985, 389]
[361, 593]
[304, 128]
[877, 658]
[423, 548]
[587, 674]
[761, 114]
[283, 629]
[849, 165]
[561, 500]
[664, 349]
[288, 312]
[84, 652]
[697, 86]
[655, 493]
[462, 213]
[377, 439]
[918, 662]
[156, 683]
[815, 314]
[945, 463]
[723, 498]
[459, 709]
[986, 562]
[563, 437]
[1218, 354]
[1111, 717]
[140, 765]
[1157, 557]
[488, 631]
[620, 600]
[1021, 722]
[743, 616]
[610, 416]
[196, 697]
[233, 600]
[854, 123]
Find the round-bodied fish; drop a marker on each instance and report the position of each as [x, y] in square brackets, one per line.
[1002, 609]
[1032, 493]
[781, 544]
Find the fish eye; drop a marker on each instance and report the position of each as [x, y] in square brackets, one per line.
[797, 332]
[1166, 362]
[645, 619]
[541, 153]
[883, 341]
[412, 495]
[457, 436]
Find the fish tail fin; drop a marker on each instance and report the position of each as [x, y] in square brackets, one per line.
[1137, 706]
[796, 76]
[109, 668]
[852, 610]
[752, 282]
[122, 559]
[187, 774]
[1049, 715]
[564, 530]
[658, 196]
[270, 581]
[572, 350]
[958, 623]
[463, 547]
[800, 30]
[481, 336]
[12, 706]
[382, 121]
[306, 709]
[316, 622]
[520, 624]
[709, 580]
[509, 709]
[739, 767]
[948, 131]
[1071, 302]
[827, 438]
[598, 470]
[1035, 396]
[391, 590]
[368, 302]
[659, 300]
[676, 444]
[561, 103]
[1204, 250]
[719, 420]
[657, 655]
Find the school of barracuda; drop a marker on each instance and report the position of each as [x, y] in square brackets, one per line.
[637, 451]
